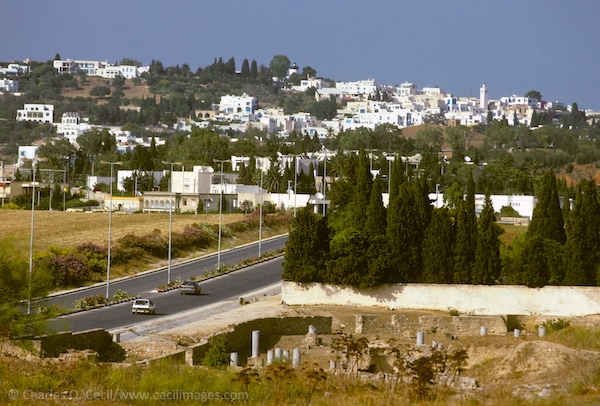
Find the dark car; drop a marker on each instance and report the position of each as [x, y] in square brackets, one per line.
[189, 287]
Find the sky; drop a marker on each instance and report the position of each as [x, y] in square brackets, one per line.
[511, 46]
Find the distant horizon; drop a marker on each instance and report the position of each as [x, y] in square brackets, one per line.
[514, 47]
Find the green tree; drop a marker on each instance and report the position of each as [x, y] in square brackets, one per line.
[100, 91]
[581, 255]
[534, 94]
[547, 221]
[347, 260]
[409, 214]
[438, 248]
[217, 355]
[466, 236]
[362, 193]
[487, 265]
[375, 222]
[307, 247]
[279, 65]
[245, 72]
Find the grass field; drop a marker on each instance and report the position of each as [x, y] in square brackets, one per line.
[68, 229]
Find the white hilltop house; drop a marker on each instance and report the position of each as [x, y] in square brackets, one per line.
[99, 68]
[43, 113]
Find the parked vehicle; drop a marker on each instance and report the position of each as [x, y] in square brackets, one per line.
[190, 287]
[143, 306]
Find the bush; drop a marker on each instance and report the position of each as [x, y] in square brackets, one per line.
[70, 269]
[120, 295]
[555, 325]
[10, 206]
[217, 355]
[153, 243]
[89, 301]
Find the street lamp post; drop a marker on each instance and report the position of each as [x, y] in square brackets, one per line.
[221, 161]
[170, 216]
[33, 165]
[110, 210]
[390, 159]
[260, 213]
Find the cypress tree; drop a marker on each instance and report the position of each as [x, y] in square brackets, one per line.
[408, 217]
[487, 266]
[583, 237]
[466, 236]
[362, 193]
[307, 247]
[547, 221]
[438, 245]
[375, 223]
[347, 259]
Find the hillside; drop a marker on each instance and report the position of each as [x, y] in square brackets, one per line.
[130, 90]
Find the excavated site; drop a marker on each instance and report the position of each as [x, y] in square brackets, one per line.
[507, 353]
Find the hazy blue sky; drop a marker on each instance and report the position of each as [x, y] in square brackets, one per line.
[512, 46]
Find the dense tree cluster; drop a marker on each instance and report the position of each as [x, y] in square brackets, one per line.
[361, 243]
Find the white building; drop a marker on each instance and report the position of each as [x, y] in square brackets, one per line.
[406, 89]
[99, 68]
[71, 127]
[519, 100]
[26, 153]
[14, 69]
[9, 85]
[361, 87]
[230, 105]
[43, 113]
[307, 83]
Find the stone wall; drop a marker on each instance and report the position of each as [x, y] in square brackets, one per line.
[271, 330]
[98, 340]
[560, 301]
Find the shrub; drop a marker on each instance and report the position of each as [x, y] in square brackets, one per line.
[10, 206]
[120, 295]
[153, 243]
[122, 255]
[217, 355]
[555, 325]
[89, 301]
[70, 269]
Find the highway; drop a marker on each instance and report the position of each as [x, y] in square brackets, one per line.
[214, 290]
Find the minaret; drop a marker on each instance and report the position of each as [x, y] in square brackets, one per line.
[483, 97]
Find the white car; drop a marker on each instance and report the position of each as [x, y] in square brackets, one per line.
[143, 306]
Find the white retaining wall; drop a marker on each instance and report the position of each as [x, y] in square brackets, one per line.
[567, 301]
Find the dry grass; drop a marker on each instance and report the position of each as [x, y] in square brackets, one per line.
[67, 229]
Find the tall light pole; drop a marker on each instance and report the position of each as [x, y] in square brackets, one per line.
[390, 158]
[260, 213]
[325, 181]
[33, 165]
[110, 210]
[221, 161]
[170, 215]
[370, 159]
[295, 183]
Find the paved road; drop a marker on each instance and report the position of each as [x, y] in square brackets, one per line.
[215, 290]
[150, 280]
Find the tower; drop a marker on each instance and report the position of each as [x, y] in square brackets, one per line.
[483, 97]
